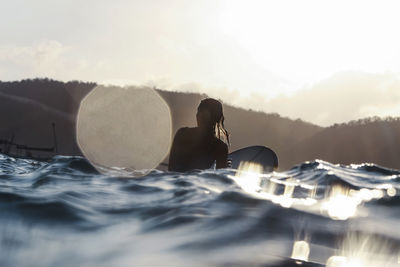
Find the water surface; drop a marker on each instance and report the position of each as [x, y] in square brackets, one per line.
[65, 213]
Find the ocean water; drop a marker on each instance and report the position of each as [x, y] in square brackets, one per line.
[65, 213]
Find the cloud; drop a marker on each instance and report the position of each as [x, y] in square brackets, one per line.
[42, 58]
[46, 58]
[343, 97]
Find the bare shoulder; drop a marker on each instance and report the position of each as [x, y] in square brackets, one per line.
[182, 130]
[183, 134]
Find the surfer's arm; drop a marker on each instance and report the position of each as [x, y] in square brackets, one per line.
[173, 155]
[222, 156]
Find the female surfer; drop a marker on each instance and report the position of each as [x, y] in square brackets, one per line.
[199, 147]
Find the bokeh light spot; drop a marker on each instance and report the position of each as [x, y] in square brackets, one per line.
[127, 128]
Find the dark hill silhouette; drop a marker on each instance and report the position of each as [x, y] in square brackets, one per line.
[373, 140]
[28, 107]
[61, 96]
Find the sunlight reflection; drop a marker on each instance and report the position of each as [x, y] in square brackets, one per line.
[340, 205]
[301, 251]
[248, 176]
[336, 261]
[251, 179]
[376, 193]
[312, 192]
[342, 202]
[270, 186]
[391, 192]
[339, 261]
[286, 199]
[365, 194]
[364, 251]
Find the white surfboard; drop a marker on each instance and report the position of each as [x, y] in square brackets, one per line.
[262, 155]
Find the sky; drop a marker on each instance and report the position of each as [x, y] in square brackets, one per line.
[322, 61]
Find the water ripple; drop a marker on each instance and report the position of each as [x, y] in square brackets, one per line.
[66, 209]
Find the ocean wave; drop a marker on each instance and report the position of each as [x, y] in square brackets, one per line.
[227, 219]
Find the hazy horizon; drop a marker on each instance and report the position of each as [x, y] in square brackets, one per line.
[323, 62]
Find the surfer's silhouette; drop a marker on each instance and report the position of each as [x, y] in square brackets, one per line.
[199, 147]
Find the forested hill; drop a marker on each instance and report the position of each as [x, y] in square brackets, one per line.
[29, 107]
[373, 140]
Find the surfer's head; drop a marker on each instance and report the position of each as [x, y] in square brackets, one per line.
[210, 115]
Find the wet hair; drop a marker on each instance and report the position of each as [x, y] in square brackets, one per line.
[217, 116]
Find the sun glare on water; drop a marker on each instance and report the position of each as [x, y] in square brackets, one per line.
[340, 205]
[248, 176]
[252, 180]
[363, 250]
[301, 251]
[341, 202]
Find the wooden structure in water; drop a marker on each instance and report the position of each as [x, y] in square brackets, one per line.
[11, 148]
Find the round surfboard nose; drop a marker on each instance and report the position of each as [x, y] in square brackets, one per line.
[261, 155]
